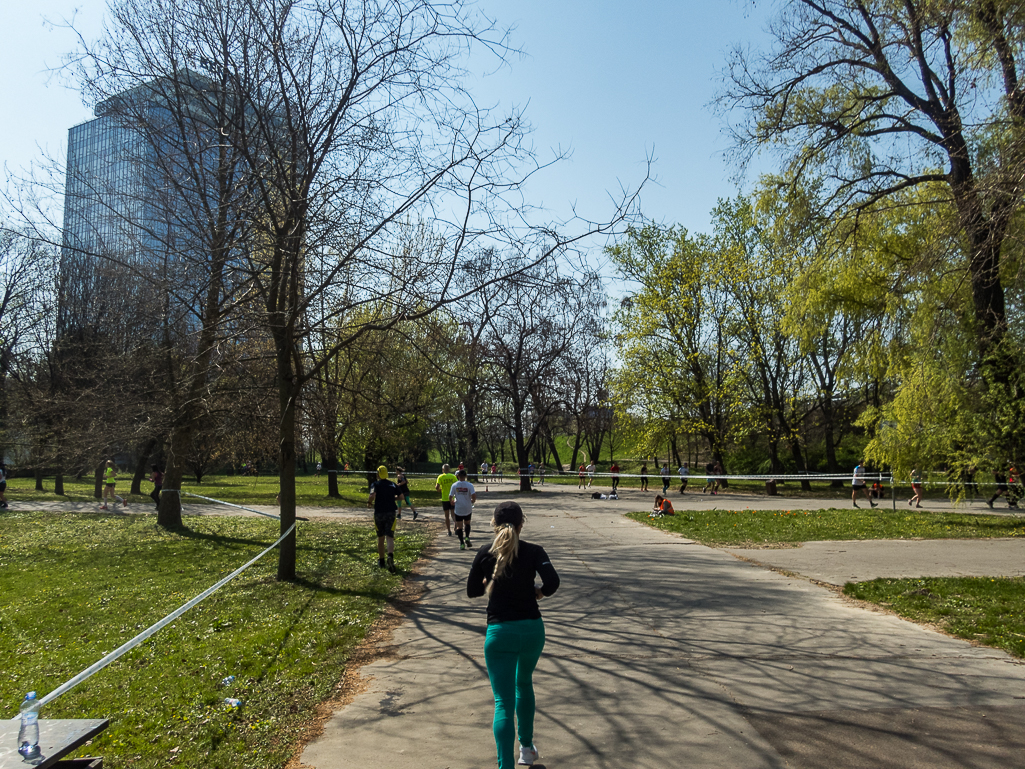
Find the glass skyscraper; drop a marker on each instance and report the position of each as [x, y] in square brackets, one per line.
[149, 179]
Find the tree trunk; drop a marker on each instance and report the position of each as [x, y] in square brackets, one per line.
[140, 467]
[331, 464]
[472, 431]
[522, 460]
[795, 450]
[98, 489]
[522, 453]
[169, 512]
[775, 465]
[576, 449]
[828, 423]
[286, 463]
[555, 454]
[717, 455]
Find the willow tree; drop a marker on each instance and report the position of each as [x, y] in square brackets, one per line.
[880, 96]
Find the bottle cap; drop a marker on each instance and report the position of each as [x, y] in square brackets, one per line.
[30, 696]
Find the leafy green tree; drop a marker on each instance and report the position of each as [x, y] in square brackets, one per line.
[883, 97]
[677, 368]
[756, 269]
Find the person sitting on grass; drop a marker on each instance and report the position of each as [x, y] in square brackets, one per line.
[662, 506]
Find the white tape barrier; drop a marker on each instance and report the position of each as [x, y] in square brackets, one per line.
[226, 504]
[568, 474]
[124, 648]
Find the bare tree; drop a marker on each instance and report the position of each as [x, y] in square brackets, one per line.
[338, 129]
[528, 341]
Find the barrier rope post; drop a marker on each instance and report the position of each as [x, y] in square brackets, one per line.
[893, 493]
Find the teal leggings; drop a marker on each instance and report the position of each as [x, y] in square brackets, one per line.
[511, 651]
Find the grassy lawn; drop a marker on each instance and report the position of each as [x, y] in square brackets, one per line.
[745, 528]
[311, 491]
[983, 609]
[74, 587]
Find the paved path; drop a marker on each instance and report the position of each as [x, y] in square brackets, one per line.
[632, 499]
[663, 653]
[838, 563]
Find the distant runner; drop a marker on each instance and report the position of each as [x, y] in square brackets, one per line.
[462, 495]
[109, 483]
[157, 479]
[402, 483]
[444, 484]
[382, 498]
[858, 484]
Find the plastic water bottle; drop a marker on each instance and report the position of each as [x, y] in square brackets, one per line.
[28, 733]
[227, 681]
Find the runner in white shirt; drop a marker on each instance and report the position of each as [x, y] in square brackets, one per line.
[590, 474]
[462, 495]
[858, 485]
[684, 476]
[483, 475]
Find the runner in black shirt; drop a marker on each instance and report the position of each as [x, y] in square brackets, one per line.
[382, 498]
[505, 570]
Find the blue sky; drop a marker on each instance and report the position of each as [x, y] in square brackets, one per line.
[612, 82]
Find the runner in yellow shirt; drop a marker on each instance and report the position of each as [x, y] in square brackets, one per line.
[444, 485]
[109, 484]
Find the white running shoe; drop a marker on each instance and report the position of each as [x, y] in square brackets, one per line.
[528, 756]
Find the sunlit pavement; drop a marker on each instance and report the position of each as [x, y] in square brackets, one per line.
[663, 653]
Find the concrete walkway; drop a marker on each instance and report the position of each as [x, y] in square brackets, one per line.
[840, 562]
[789, 498]
[662, 653]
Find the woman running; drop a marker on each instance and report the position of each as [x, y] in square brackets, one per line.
[403, 486]
[916, 488]
[644, 477]
[505, 570]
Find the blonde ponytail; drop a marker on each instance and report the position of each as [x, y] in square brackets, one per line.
[505, 548]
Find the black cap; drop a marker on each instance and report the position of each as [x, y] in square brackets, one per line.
[509, 512]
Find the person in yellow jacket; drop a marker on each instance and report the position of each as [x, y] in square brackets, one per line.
[109, 484]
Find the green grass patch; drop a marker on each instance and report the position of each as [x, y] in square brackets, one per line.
[75, 587]
[310, 490]
[988, 610]
[745, 528]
